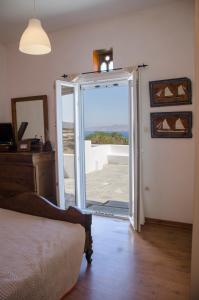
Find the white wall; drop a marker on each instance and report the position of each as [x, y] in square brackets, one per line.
[69, 165]
[161, 37]
[195, 242]
[119, 154]
[96, 157]
[4, 100]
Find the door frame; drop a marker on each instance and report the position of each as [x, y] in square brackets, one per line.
[127, 82]
[134, 186]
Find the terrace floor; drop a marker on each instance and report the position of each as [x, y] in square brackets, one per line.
[107, 190]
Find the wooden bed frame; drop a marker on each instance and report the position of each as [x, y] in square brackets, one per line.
[33, 204]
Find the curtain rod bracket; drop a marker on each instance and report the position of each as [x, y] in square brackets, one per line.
[64, 76]
[142, 66]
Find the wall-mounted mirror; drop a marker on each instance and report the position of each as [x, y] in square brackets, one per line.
[30, 118]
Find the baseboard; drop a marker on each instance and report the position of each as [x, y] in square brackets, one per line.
[181, 225]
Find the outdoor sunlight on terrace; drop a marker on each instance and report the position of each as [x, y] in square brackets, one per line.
[106, 149]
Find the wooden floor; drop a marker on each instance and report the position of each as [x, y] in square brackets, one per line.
[152, 265]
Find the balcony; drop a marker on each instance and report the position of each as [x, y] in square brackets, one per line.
[107, 186]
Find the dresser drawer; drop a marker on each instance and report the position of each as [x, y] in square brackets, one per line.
[17, 178]
[28, 172]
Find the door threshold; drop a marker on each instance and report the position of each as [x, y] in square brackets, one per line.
[106, 215]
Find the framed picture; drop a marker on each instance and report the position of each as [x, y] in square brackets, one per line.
[171, 124]
[170, 92]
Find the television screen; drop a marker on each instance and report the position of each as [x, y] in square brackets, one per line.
[6, 133]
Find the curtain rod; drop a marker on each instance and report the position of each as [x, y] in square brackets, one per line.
[116, 69]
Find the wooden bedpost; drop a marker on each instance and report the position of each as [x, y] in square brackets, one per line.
[89, 242]
[33, 204]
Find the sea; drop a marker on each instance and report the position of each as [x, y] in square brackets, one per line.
[124, 133]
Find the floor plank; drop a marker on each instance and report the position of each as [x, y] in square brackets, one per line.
[153, 265]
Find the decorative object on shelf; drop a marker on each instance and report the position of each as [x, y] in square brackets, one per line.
[33, 145]
[171, 124]
[170, 92]
[47, 147]
[34, 39]
[24, 146]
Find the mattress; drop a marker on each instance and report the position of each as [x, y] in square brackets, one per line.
[39, 258]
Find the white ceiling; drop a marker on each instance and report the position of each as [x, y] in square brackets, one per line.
[57, 14]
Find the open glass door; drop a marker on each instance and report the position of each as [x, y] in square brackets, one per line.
[134, 153]
[68, 144]
[71, 166]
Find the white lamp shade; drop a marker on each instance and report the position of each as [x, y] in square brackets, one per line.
[34, 40]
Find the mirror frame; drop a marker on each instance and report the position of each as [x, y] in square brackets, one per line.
[24, 99]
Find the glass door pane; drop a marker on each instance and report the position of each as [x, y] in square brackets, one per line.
[68, 136]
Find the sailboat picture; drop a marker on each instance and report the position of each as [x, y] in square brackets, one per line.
[167, 92]
[163, 126]
[171, 124]
[181, 90]
[179, 126]
[170, 92]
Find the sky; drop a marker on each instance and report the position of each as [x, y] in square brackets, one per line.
[106, 106]
[102, 106]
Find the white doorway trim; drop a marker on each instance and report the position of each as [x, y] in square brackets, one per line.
[78, 82]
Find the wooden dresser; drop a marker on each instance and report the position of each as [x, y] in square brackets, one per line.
[28, 172]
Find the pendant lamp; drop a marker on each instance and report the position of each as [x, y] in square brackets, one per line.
[34, 39]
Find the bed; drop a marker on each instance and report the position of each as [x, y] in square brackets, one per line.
[41, 248]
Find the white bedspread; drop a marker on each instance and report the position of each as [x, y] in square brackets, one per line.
[39, 258]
